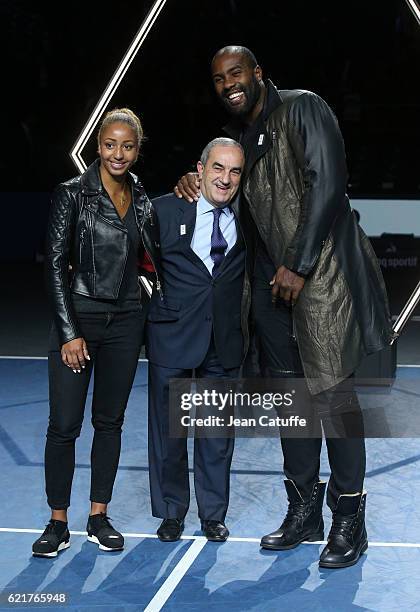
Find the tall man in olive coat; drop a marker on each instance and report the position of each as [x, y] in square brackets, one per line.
[319, 302]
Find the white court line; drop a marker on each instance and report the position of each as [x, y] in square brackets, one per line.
[176, 576]
[204, 540]
[19, 357]
[182, 567]
[399, 365]
[23, 357]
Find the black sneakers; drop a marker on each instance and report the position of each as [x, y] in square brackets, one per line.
[56, 537]
[101, 532]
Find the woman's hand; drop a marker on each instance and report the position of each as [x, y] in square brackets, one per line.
[188, 187]
[74, 353]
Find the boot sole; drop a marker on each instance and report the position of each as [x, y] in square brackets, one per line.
[95, 540]
[62, 546]
[315, 537]
[346, 564]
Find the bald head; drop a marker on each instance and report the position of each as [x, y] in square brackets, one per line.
[237, 79]
[247, 55]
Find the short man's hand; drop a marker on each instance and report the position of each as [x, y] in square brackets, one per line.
[188, 187]
[74, 353]
[287, 285]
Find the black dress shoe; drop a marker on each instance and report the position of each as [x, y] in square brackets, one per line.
[347, 539]
[170, 530]
[215, 531]
[303, 521]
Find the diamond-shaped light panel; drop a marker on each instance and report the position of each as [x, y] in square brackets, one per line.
[138, 40]
[415, 8]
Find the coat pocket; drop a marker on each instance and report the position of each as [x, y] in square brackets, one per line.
[167, 310]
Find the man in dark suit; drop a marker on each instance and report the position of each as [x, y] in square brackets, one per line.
[196, 323]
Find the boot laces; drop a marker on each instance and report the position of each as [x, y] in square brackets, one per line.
[342, 525]
[296, 511]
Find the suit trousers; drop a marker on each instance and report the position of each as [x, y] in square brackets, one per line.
[114, 341]
[337, 409]
[168, 456]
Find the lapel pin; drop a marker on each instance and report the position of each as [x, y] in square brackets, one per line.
[182, 230]
[260, 139]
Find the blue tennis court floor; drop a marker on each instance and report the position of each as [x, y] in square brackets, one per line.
[194, 574]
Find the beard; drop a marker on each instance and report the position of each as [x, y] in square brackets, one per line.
[252, 94]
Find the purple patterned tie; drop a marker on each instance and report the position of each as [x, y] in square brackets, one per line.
[218, 243]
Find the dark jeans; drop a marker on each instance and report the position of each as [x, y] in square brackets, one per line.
[337, 409]
[114, 341]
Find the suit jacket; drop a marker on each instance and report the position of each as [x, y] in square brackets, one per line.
[193, 304]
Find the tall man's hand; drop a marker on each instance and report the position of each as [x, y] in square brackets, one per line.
[188, 187]
[287, 285]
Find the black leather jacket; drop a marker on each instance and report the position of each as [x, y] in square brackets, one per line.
[85, 232]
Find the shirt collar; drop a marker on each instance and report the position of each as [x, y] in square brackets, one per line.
[203, 207]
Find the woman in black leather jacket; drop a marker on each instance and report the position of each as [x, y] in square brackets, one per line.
[99, 227]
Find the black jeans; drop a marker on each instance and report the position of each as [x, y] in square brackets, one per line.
[337, 409]
[114, 341]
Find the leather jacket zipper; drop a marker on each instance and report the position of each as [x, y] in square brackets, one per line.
[90, 225]
[82, 242]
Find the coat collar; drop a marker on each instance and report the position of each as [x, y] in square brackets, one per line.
[257, 133]
[92, 184]
[187, 220]
[273, 99]
[99, 202]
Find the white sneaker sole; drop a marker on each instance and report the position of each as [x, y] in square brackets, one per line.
[61, 546]
[95, 540]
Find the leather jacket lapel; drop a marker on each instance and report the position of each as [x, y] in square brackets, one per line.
[142, 205]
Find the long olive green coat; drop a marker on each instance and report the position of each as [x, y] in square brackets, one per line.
[295, 186]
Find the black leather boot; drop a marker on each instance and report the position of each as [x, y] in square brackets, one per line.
[303, 519]
[347, 539]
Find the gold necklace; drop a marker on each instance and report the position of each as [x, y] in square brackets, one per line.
[123, 199]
